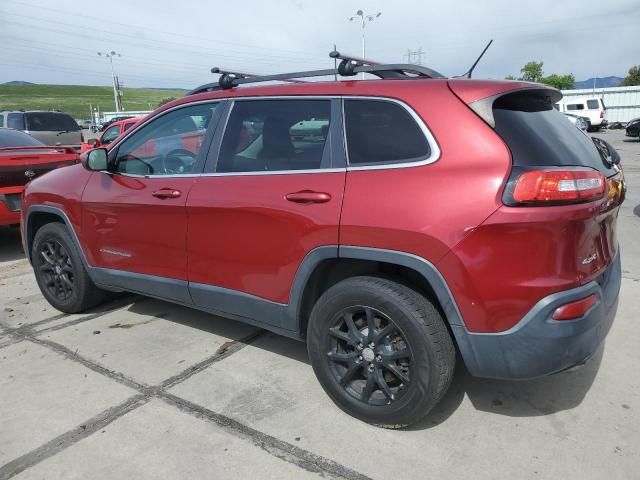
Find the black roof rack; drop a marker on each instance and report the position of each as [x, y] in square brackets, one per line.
[348, 67]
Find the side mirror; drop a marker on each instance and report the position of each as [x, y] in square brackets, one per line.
[96, 160]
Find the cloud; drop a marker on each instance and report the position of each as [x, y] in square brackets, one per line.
[168, 43]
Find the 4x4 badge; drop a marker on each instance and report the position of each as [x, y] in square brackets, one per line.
[590, 259]
[29, 174]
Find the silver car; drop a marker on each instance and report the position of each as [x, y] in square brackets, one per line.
[51, 128]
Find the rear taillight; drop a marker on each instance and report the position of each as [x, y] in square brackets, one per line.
[602, 114]
[576, 309]
[555, 186]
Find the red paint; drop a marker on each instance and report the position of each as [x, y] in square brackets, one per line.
[247, 232]
[16, 161]
[255, 241]
[124, 126]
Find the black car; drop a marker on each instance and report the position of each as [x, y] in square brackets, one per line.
[633, 128]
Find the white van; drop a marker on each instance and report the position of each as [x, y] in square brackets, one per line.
[593, 109]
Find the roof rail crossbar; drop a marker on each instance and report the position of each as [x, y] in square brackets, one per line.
[349, 66]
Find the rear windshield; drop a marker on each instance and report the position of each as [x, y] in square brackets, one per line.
[540, 136]
[14, 138]
[50, 122]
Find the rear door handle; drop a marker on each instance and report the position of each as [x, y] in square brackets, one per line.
[307, 197]
[167, 193]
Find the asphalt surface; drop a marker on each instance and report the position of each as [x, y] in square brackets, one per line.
[140, 388]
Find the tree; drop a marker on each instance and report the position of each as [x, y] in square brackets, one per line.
[165, 100]
[532, 72]
[633, 78]
[561, 82]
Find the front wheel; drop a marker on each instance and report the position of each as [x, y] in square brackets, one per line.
[59, 271]
[380, 350]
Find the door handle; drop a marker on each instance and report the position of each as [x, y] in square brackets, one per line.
[166, 193]
[307, 197]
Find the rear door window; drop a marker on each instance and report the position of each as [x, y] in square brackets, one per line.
[50, 122]
[15, 120]
[276, 135]
[575, 106]
[382, 132]
[593, 104]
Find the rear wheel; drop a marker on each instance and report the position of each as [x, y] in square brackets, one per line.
[380, 350]
[59, 271]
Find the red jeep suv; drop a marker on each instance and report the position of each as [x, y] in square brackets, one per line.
[390, 223]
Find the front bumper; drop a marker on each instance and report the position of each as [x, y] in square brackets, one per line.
[538, 345]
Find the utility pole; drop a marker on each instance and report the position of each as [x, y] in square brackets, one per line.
[116, 92]
[364, 19]
[417, 54]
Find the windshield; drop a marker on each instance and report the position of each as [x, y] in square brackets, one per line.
[13, 138]
[50, 122]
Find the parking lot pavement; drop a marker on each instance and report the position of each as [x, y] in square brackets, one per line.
[139, 388]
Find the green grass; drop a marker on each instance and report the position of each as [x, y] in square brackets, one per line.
[75, 99]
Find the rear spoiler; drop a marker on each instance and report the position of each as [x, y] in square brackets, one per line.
[481, 96]
[55, 148]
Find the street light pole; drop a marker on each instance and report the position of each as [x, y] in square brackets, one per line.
[116, 94]
[364, 18]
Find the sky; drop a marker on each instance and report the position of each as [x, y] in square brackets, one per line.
[175, 43]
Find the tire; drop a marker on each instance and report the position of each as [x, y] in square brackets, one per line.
[353, 374]
[60, 273]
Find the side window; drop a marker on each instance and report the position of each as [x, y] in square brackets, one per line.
[15, 120]
[575, 106]
[593, 104]
[275, 135]
[1, 120]
[110, 134]
[168, 145]
[380, 132]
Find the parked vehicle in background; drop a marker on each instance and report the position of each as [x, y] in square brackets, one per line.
[593, 109]
[633, 128]
[110, 134]
[352, 215]
[85, 124]
[108, 123]
[581, 122]
[22, 158]
[51, 128]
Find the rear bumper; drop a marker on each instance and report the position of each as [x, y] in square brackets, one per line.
[538, 345]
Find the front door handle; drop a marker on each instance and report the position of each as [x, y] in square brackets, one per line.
[166, 193]
[307, 197]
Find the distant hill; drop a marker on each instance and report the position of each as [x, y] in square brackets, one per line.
[601, 82]
[75, 99]
[18, 82]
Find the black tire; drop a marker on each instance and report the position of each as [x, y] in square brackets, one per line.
[60, 273]
[416, 326]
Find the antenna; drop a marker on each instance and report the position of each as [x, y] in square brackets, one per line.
[470, 71]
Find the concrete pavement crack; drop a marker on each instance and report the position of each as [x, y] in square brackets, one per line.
[71, 437]
[272, 445]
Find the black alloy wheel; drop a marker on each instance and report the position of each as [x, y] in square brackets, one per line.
[370, 357]
[57, 269]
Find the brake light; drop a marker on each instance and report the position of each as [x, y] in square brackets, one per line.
[570, 185]
[575, 309]
[602, 114]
